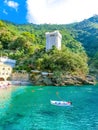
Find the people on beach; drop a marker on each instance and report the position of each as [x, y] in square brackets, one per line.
[4, 84]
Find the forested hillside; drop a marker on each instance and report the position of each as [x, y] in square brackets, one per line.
[86, 32]
[26, 44]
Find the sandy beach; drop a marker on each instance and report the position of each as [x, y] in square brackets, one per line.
[7, 84]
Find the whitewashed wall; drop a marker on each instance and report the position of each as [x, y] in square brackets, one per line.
[53, 39]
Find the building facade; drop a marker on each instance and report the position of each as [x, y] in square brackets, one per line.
[5, 71]
[53, 39]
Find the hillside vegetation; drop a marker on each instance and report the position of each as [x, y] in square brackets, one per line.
[26, 44]
[86, 32]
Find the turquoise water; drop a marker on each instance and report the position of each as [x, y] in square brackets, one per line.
[29, 108]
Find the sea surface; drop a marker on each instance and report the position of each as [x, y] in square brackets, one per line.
[29, 108]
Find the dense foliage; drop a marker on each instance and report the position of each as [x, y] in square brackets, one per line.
[86, 32]
[65, 61]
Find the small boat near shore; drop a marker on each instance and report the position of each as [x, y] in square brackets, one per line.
[60, 103]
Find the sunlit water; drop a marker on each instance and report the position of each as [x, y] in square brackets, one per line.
[29, 108]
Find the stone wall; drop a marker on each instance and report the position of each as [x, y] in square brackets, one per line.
[20, 76]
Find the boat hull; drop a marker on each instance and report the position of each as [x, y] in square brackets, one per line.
[60, 103]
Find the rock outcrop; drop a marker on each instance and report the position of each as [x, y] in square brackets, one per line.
[48, 79]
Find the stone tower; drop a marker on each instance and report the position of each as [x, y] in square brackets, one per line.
[53, 39]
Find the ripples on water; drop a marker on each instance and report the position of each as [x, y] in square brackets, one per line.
[29, 108]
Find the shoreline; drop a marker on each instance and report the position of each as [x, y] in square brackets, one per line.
[14, 83]
[7, 84]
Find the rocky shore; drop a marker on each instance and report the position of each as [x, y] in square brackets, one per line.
[48, 79]
[65, 80]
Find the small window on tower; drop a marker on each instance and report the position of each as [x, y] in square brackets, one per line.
[52, 35]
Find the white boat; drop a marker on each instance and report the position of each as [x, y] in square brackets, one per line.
[60, 103]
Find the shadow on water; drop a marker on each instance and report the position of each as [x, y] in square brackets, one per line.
[48, 113]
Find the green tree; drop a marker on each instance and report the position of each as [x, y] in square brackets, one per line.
[5, 38]
[30, 37]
